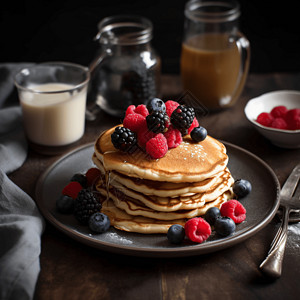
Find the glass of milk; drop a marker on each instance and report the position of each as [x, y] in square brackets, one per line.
[53, 100]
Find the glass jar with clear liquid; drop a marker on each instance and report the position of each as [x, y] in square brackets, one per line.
[127, 69]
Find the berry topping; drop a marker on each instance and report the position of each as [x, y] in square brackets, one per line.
[130, 110]
[80, 178]
[199, 134]
[170, 107]
[142, 110]
[194, 124]
[234, 210]
[92, 176]
[197, 230]
[99, 222]
[265, 119]
[124, 139]
[279, 123]
[182, 118]
[176, 234]
[85, 205]
[72, 189]
[212, 214]
[134, 122]
[157, 105]
[224, 226]
[242, 188]
[279, 111]
[292, 119]
[157, 147]
[65, 204]
[173, 136]
[158, 122]
[144, 135]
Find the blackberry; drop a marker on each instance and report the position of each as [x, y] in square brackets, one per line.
[85, 205]
[124, 139]
[157, 122]
[156, 104]
[182, 118]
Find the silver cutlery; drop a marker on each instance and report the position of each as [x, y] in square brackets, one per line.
[289, 201]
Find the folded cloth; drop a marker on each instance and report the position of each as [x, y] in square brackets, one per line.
[21, 224]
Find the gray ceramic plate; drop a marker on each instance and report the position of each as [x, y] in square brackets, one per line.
[261, 205]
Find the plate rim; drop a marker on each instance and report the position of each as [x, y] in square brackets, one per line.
[176, 251]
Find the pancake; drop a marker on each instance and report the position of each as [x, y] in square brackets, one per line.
[167, 204]
[159, 188]
[120, 219]
[189, 162]
[148, 195]
[136, 208]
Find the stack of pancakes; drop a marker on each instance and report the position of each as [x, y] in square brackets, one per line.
[148, 196]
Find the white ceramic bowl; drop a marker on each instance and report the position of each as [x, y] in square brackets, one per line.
[265, 103]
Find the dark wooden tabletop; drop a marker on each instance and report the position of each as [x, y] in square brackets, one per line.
[71, 270]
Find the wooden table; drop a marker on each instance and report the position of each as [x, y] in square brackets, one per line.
[71, 270]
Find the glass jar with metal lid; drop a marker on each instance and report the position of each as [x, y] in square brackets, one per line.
[126, 70]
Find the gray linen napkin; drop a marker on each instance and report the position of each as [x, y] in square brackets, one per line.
[21, 224]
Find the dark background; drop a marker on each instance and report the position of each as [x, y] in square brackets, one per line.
[37, 31]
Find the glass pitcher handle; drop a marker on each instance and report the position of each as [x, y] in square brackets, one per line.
[243, 46]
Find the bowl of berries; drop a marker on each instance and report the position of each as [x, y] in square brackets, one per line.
[276, 115]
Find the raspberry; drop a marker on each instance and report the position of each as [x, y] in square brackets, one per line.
[130, 110]
[72, 189]
[157, 147]
[194, 124]
[144, 135]
[197, 230]
[142, 110]
[234, 210]
[174, 137]
[92, 175]
[134, 122]
[279, 111]
[279, 123]
[170, 107]
[265, 119]
[292, 119]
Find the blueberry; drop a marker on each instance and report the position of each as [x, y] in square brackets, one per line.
[80, 178]
[224, 226]
[99, 222]
[156, 104]
[212, 214]
[198, 134]
[176, 234]
[241, 188]
[65, 204]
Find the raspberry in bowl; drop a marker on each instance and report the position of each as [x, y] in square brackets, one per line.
[276, 115]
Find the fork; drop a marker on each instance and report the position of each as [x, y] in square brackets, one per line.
[290, 201]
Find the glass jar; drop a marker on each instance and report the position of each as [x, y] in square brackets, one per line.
[215, 54]
[126, 70]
